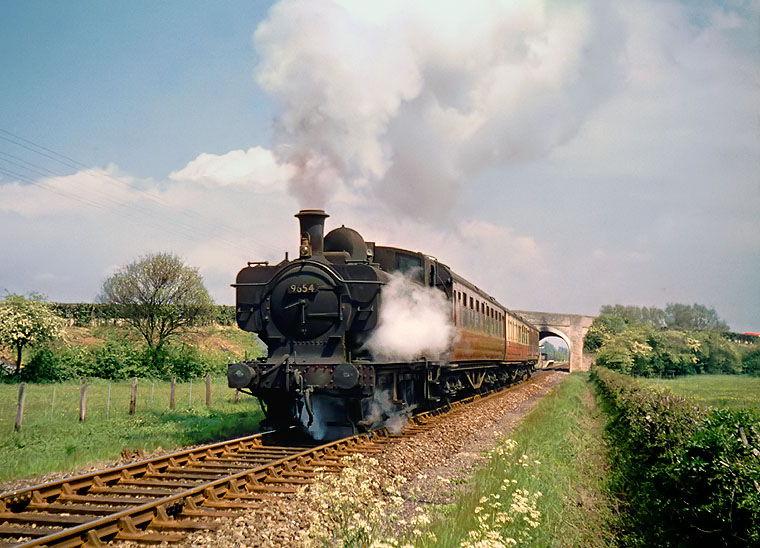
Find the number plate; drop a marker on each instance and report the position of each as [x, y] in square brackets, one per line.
[303, 288]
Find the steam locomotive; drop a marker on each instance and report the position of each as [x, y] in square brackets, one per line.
[316, 313]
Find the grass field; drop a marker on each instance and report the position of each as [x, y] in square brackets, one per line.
[52, 438]
[734, 391]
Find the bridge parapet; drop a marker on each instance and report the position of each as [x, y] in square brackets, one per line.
[569, 327]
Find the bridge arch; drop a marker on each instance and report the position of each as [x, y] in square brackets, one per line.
[569, 327]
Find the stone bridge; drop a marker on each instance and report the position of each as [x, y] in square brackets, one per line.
[569, 327]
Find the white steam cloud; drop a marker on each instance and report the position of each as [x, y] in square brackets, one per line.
[415, 321]
[383, 411]
[406, 100]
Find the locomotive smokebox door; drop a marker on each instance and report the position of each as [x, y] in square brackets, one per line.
[305, 303]
[346, 376]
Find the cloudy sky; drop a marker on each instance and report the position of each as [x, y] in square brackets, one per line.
[561, 155]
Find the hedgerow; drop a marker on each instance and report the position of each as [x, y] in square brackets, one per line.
[84, 314]
[117, 360]
[690, 476]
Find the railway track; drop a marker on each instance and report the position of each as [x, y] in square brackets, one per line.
[163, 498]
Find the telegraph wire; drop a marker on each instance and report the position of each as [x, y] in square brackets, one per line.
[181, 230]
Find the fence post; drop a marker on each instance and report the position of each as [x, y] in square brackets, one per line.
[208, 389]
[237, 395]
[172, 392]
[190, 397]
[20, 406]
[133, 397]
[108, 402]
[83, 401]
[52, 406]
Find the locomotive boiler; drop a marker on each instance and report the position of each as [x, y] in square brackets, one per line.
[315, 314]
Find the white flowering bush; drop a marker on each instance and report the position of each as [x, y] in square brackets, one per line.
[356, 509]
[26, 321]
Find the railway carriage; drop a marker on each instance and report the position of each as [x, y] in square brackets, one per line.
[315, 313]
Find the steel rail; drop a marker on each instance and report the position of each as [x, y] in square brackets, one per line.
[131, 523]
[14, 497]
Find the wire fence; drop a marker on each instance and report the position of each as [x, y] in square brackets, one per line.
[27, 405]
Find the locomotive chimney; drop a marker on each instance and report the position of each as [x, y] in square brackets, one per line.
[312, 231]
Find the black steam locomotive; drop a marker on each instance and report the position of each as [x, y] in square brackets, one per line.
[316, 313]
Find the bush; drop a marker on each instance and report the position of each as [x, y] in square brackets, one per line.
[183, 361]
[751, 362]
[690, 476]
[45, 366]
[119, 359]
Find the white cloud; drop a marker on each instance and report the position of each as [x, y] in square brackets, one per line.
[256, 167]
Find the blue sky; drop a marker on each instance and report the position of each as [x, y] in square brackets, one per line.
[125, 79]
[561, 155]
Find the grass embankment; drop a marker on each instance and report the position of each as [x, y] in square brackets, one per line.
[545, 486]
[52, 438]
[732, 391]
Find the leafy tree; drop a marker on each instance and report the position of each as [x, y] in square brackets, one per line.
[25, 322]
[695, 316]
[603, 328]
[160, 297]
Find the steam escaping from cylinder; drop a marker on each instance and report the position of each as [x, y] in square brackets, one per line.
[329, 419]
[415, 322]
[382, 410]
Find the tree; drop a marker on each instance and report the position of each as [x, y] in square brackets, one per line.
[26, 321]
[160, 297]
[696, 316]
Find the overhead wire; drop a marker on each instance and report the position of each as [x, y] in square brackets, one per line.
[108, 199]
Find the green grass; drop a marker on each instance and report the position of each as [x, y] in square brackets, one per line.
[559, 453]
[733, 391]
[52, 438]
